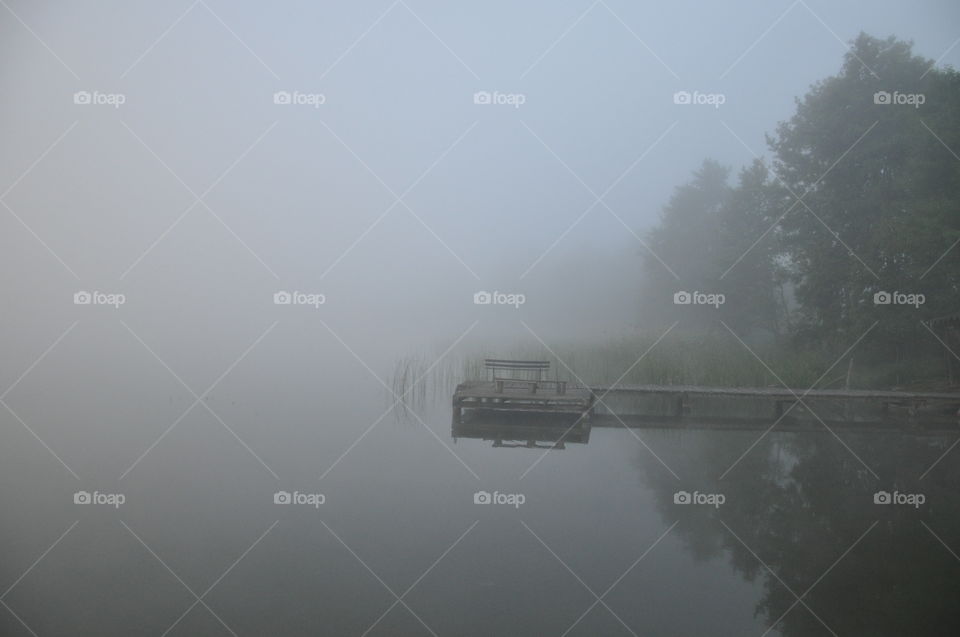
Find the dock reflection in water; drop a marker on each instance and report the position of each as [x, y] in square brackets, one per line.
[523, 430]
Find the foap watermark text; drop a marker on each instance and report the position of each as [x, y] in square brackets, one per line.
[496, 98]
[712, 499]
[899, 298]
[298, 298]
[114, 299]
[498, 298]
[109, 499]
[512, 499]
[296, 98]
[912, 499]
[699, 298]
[697, 98]
[96, 98]
[308, 499]
[899, 99]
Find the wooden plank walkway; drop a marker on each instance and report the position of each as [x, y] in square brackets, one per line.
[521, 397]
[779, 392]
[781, 397]
[549, 397]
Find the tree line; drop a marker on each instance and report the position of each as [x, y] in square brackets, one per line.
[850, 226]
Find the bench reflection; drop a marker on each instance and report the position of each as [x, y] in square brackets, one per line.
[525, 432]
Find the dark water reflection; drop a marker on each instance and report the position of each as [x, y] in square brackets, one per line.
[597, 519]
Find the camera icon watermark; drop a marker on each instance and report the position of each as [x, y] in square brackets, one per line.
[112, 499]
[899, 99]
[308, 499]
[496, 98]
[296, 98]
[82, 297]
[512, 499]
[697, 98]
[282, 297]
[499, 298]
[96, 98]
[899, 298]
[699, 298]
[712, 499]
[912, 499]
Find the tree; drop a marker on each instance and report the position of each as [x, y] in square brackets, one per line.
[880, 192]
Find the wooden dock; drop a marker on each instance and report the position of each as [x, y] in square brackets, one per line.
[522, 397]
[780, 398]
[677, 401]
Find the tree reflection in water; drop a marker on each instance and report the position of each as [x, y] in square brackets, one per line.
[800, 514]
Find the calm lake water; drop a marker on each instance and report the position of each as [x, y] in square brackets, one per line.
[789, 542]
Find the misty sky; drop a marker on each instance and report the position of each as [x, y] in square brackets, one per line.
[298, 196]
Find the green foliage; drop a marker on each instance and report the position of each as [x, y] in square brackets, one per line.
[863, 196]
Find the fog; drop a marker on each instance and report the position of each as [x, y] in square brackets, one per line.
[190, 163]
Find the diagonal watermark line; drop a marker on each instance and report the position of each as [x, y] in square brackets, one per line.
[940, 540]
[950, 448]
[41, 241]
[777, 577]
[38, 359]
[160, 160]
[18, 618]
[757, 41]
[239, 39]
[599, 199]
[598, 598]
[400, 399]
[619, 579]
[953, 353]
[39, 39]
[159, 39]
[937, 61]
[937, 461]
[357, 41]
[399, 599]
[240, 241]
[200, 199]
[939, 139]
[438, 39]
[23, 175]
[957, 157]
[37, 561]
[836, 236]
[17, 382]
[442, 242]
[199, 599]
[199, 400]
[638, 38]
[39, 159]
[792, 405]
[849, 48]
[599, 399]
[940, 258]
[398, 199]
[178, 578]
[799, 399]
[39, 439]
[799, 200]
[792, 606]
[559, 39]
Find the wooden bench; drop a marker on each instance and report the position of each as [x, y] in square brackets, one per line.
[524, 373]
